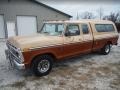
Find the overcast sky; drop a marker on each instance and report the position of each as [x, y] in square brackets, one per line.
[73, 7]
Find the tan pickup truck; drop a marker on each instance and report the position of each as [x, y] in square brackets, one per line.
[58, 40]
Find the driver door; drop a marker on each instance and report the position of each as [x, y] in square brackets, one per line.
[72, 40]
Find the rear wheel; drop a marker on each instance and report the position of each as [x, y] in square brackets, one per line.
[42, 65]
[106, 49]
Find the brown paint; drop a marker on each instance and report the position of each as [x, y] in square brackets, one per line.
[67, 50]
[98, 44]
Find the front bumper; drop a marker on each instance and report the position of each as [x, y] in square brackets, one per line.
[13, 60]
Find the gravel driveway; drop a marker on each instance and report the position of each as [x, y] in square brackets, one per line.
[88, 72]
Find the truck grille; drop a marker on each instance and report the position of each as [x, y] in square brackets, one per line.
[13, 51]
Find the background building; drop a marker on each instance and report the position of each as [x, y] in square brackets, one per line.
[25, 17]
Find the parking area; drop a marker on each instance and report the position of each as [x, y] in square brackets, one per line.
[88, 72]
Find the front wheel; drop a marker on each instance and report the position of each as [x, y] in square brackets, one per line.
[106, 49]
[42, 65]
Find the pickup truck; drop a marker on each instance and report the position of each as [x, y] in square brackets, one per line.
[58, 40]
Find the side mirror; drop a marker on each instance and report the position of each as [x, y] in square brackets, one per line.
[67, 33]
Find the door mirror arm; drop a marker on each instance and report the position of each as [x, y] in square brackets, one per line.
[67, 33]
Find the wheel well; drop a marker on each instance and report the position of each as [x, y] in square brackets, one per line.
[54, 58]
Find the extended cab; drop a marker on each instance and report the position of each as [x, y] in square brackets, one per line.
[58, 40]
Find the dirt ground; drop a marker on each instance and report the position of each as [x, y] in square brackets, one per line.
[88, 72]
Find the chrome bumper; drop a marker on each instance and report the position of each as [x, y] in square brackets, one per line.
[13, 60]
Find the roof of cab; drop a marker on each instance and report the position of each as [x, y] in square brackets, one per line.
[80, 21]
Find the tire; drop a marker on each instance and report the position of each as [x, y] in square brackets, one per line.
[42, 65]
[106, 49]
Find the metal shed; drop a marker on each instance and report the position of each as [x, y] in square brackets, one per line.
[25, 17]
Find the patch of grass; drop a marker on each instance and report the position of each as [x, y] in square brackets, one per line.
[115, 83]
[51, 81]
[61, 65]
[88, 62]
[117, 65]
[33, 78]
[105, 70]
[19, 84]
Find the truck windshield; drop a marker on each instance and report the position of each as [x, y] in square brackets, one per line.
[52, 29]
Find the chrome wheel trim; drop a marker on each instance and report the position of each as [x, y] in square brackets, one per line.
[43, 66]
[107, 48]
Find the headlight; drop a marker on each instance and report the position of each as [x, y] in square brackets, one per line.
[16, 51]
[20, 55]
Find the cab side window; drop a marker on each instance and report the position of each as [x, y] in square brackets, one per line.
[73, 30]
[85, 29]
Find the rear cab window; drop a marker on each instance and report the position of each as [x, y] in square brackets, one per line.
[85, 28]
[104, 27]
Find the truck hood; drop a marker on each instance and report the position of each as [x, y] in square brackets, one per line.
[39, 40]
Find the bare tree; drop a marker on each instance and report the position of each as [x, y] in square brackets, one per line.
[100, 12]
[105, 17]
[112, 17]
[87, 15]
[118, 20]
